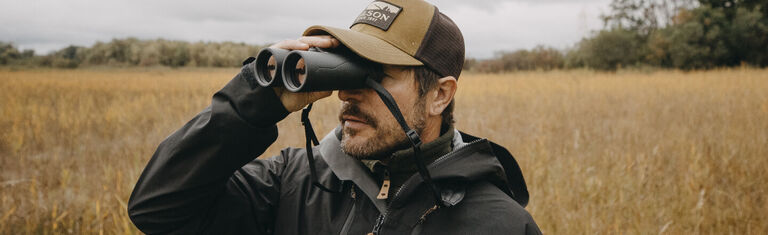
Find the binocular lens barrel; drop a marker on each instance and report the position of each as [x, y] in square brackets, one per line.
[299, 73]
[269, 66]
[272, 67]
[306, 71]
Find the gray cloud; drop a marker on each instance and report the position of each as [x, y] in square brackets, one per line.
[488, 25]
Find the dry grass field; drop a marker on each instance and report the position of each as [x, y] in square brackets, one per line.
[603, 153]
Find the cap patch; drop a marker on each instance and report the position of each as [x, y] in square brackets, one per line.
[380, 14]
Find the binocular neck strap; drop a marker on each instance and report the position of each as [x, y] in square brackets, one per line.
[311, 137]
[411, 134]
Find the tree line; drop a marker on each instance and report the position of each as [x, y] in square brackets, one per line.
[682, 34]
[135, 52]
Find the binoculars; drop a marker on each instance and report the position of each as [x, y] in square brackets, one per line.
[312, 70]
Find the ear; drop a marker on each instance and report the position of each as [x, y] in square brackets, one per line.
[442, 96]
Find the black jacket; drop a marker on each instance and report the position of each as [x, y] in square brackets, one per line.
[204, 178]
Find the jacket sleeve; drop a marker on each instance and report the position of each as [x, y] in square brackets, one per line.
[196, 182]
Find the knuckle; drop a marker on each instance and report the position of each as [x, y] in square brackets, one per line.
[281, 44]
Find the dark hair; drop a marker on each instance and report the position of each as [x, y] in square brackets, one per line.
[427, 80]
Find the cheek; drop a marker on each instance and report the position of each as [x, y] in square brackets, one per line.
[405, 94]
[407, 104]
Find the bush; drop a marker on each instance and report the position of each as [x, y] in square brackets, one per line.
[539, 58]
[608, 50]
[9, 54]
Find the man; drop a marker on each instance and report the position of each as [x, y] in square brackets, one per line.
[204, 178]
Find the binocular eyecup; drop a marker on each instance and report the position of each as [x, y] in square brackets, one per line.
[313, 70]
[268, 64]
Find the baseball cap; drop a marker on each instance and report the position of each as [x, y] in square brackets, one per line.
[403, 32]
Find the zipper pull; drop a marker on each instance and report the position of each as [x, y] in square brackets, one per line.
[384, 192]
[377, 227]
[424, 216]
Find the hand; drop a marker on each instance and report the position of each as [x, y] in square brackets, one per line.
[294, 101]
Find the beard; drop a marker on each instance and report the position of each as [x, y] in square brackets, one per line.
[388, 136]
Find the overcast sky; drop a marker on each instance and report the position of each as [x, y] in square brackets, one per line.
[487, 25]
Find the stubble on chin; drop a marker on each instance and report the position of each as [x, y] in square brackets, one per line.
[372, 148]
[387, 138]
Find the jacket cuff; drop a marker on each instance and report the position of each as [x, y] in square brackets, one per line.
[259, 106]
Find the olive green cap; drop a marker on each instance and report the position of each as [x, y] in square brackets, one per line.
[403, 32]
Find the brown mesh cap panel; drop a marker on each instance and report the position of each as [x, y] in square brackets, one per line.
[443, 47]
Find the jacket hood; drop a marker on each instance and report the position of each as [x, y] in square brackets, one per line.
[471, 159]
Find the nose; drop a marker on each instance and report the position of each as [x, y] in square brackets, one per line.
[351, 95]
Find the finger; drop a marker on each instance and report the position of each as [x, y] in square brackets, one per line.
[335, 42]
[323, 41]
[291, 45]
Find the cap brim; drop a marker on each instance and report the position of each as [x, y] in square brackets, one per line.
[366, 46]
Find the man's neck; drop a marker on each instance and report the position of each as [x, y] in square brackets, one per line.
[432, 129]
[400, 165]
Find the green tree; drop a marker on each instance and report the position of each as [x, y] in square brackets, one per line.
[677, 34]
[8, 53]
[69, 57]
[705, 38]
[748, 36]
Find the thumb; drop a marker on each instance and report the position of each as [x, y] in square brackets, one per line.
[314, 96]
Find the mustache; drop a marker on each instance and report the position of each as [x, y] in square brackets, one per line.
[351, 109]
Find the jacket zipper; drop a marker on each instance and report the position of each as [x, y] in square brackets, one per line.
[379, 222]
[351, 215]
[382, 218]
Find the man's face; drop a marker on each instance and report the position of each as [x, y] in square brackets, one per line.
[369, 131]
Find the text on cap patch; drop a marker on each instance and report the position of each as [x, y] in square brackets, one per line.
[380, 14]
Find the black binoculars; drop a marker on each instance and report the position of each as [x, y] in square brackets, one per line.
[312, 70]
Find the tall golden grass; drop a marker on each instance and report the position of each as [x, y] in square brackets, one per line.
[638, 153]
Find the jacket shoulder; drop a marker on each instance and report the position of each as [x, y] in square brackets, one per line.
[484, 210]
[516, 186]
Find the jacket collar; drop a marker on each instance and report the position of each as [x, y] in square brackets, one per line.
[348, 168]
[467, 162]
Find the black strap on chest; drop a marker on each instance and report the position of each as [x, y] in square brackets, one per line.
[311, 137]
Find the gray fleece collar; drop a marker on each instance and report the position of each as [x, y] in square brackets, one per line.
[348, 168]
